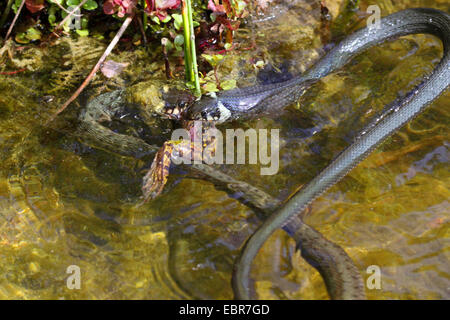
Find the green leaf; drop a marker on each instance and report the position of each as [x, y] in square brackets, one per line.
[166, 19]
[155, 19]
[228, 84]
[16, 5]
[98, 36]
[21, 38]
[33, 34]
[169, 45]
[73, 3]
[90, 5]
[52, 14]
[156, 28]
[51, 19]
[178, 42]
[178, 20]
[84, 22]
[213, 60]
[82, 32]
[190, 85]
[208, 58]
[210, 87]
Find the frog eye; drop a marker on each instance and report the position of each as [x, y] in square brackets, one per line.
[183, 106]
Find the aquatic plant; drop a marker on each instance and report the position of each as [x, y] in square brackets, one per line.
[183, 27]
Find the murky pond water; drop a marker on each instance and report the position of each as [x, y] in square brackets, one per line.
[63, 203]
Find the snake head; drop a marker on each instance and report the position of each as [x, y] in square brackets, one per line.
[208, 108]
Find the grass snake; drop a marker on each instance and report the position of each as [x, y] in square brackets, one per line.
[409, 21]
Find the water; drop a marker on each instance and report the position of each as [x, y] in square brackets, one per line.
[63, 203]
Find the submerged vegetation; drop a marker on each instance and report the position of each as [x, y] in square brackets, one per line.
[170, 23]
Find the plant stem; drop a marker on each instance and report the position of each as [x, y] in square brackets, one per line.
[141, 27]
[190, 55]
[187, 43]
[194, 66]
[6, 12]
[14, 20]
[144, 15]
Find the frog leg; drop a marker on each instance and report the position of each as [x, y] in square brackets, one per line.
[156, 178]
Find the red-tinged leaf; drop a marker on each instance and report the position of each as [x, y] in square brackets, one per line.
[121, 7]
[127, 4]
[34, 5]
[227, 6]
[111, 68]
[167, 4]
[121, 12]
[161, 15]
[108, 7]
[159, 7]
[231, 25]
[150, 5]
[215, 7]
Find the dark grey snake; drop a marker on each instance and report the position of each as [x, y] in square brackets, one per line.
[410, 21]
[341, 276]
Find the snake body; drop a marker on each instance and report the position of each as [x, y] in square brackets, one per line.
[410, 21]
[105, 108]
[341, 277]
